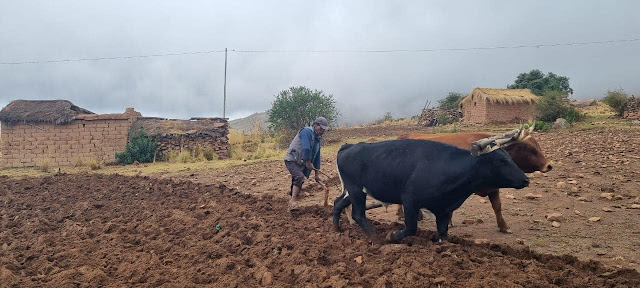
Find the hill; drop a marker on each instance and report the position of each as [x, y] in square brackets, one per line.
[247, 124]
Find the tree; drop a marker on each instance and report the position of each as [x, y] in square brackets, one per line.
[554, 105]
[617, 99]
[451, 101]
[298, 106]
[538, 83]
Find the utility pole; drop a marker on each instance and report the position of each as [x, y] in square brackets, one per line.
[224, 104]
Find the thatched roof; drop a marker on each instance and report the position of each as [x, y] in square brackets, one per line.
[160, 126]
[41, 111]
[501, 96]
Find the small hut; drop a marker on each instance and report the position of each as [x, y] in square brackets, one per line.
[486, 105]
[57, 133]
[173, 135]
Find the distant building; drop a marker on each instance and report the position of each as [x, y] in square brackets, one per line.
[486, 105]
[60, 133]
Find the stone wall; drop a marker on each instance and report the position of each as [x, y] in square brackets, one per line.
[192, 142]
[174, 135]
[632, 110]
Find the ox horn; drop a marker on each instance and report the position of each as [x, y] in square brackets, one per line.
[533, 126]
[503, 141]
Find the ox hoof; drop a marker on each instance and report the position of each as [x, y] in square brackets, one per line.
[506, 231]
[391, 237]
[336, 228]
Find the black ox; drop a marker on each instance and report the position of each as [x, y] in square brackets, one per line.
[421, 174]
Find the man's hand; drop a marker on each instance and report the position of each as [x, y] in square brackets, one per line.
[309, 165]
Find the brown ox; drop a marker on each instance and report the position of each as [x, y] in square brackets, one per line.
[526, 153]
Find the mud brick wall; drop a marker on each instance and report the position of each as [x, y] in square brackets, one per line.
[509, 112]
[487, 112]
[632, 110]
[58, 145]
[474, 112]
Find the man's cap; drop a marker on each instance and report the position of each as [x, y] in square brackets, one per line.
[322, 122]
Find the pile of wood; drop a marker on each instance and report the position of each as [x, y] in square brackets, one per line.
[632, 111]
[429, 117]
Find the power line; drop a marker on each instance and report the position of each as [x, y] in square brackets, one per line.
[329, 51]
[440, 49]
[112, 58]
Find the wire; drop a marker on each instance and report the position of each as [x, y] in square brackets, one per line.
[112, 58]
[328, 51]
[440, 49]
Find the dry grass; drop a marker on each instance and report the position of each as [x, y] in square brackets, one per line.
[600, 109]
[502, 96]
[95, 164]
[44, 166]
[253, 146]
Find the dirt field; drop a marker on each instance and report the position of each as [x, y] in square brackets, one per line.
[230, 228]
[113, 231]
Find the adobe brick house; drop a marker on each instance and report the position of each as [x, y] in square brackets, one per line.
[60, 133]
[486, 105]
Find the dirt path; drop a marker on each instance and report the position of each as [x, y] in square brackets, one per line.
[113, 231]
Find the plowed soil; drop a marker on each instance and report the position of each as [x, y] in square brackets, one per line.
[116, 231]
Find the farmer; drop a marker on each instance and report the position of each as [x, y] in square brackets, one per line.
[303, 156]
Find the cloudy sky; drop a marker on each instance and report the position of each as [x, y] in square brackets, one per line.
[364, 84]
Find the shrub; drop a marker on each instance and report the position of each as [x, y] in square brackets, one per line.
[543, 126]
[141, 148]
[554, 105]
[451, 101]
[617, 99]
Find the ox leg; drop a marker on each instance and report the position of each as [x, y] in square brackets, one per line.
[338, 206]
[400, 212]
[410, 223]
[494, 197]
[359, 206]
[442, 224]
